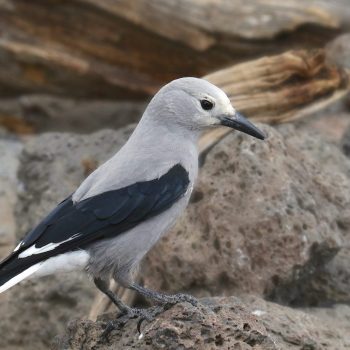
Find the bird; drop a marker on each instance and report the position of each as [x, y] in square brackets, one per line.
[127, 204]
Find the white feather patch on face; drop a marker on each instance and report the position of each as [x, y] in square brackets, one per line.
[46, 248]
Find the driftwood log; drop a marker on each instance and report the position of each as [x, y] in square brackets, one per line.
[272, 89]
[121, 48]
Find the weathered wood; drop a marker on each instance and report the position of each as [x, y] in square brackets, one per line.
[283, 87]
[270, 89]
[119, 48]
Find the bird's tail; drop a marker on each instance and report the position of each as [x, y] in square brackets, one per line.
[12, 271]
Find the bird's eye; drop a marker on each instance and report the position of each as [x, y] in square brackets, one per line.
[207, 105]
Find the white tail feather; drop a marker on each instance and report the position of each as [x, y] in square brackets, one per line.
[20, 277]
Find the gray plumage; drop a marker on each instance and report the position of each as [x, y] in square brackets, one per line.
[165, 137]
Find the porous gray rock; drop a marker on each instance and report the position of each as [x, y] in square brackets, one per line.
[265, 218]
[218, 323]
[345, 142]
[316, 328]
[338, 52]
[9, 154]
[51, 166]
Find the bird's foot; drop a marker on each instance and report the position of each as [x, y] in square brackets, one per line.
[148, 314]
[166, 301]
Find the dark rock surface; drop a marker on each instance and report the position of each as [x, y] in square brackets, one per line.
[266, 218]
[219, 323]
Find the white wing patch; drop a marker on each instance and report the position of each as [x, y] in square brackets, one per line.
[189, 189]
[46, 248]
[19, 246]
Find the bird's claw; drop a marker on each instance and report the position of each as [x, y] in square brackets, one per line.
[146, 314]
[118, 323]
[149, 315]
[156, 310]
[130, 313]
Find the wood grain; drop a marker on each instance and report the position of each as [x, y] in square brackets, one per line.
[120, 48]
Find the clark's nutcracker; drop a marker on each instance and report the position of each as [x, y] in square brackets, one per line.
[122, 209]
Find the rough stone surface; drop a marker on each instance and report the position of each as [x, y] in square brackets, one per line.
[335, 317]
[52, 165]
[316, 328]
[337, 116]
[219, 323]
[345, 143]
[9, 154]
[338, 50]
[265, 218]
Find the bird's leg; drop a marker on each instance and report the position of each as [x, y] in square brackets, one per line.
[149, 314]
[164, 298]
[103, 286]
[126, 312]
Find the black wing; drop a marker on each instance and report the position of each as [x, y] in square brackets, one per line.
[73, 226]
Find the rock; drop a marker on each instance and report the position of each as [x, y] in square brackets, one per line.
[35, 311]
[316, 328]
[338, 50]
[42, 113]
[335, 317]
[336, 117]
[345, 142]
[219, 323]
[265, 218]
[332, 282]
[9, 154]
[52, 165]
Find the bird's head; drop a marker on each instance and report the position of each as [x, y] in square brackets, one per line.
[196, 104]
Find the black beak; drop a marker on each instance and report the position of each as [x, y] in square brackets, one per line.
[240, 123]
